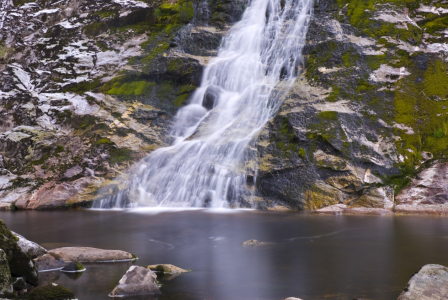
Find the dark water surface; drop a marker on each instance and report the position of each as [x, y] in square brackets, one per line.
[313, 257]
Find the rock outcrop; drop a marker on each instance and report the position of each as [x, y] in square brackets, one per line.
[87, 254]
[368, 114]
[31, 248]
[49, 262]
[136, 281]
[430, 283]
[5, 275]
[20, 263]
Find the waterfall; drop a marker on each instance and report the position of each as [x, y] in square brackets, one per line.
[209, 162]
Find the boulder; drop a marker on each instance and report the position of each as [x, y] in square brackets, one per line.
[51, 291]
[5, 275]
[136, 281]
[73, 267]
[20, 263]
[167, 269]
[211, 96]
[49, 262]
[430, 283]
[18, 283]
[29, 247]
[87, 254]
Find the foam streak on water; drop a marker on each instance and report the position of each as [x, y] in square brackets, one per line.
[209, 162]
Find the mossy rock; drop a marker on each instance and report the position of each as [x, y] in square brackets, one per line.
[20, 263]
[51, 291]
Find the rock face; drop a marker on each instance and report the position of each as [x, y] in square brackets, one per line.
[366, 116]
[20, 263]
[430, 283]
[136, 281]
[88, 88]
[31, 248]
[49, 262]
[5, 275]
[87, 254]
[167, 268]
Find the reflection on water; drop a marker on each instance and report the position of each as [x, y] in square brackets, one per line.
[312, 257]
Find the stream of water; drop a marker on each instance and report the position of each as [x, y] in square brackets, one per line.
[311, 257]
[242, 88]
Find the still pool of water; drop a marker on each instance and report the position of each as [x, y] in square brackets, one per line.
[312, 257]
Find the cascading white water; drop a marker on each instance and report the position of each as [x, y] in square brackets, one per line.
[242, 88]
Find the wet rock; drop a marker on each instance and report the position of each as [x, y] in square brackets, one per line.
[31, 248]
[73, 267]
[339, 209]
[18, 283]
[382, 197]
[87, 254]
[51, 291]
[20, 263]
[332, 209]
[430, 283]
[5, 275]
[421, 209]
[256, 243]
[211, 97]
[49, 262]
[167, 268]
[136, 281]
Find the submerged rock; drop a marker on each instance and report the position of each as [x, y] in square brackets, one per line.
[87, 254]
[31, 248]
[256, 243]
[430, 283]
[342, 209]
[51, 291]
[136, 281]
[49, 262]
[20, 263]
[167, 269]
[5, 275]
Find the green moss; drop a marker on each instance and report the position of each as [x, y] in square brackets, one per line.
[438, 24]
[95, 29]
[418, 105]
[50, 291]
[328, 115]
[82, 87]
[79, 266]
[180, 99]
[179, 13]
[120, 155]
[104, 141]
[301, 152]
[128, 86]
